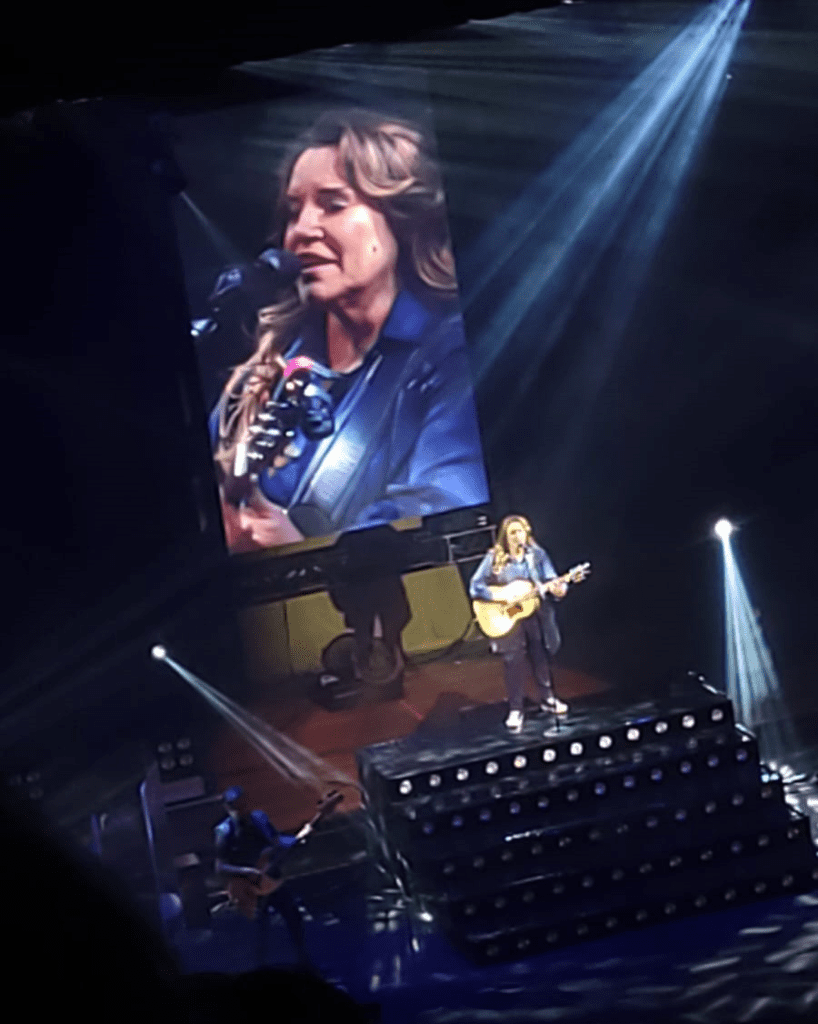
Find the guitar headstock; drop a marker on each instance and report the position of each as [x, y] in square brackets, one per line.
[299, 409]
[580, 572]
[330, 802]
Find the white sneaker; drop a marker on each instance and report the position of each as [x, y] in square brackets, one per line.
[514, 722]
[555, 706]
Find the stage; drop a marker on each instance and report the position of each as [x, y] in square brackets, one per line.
[755, 962]
[435, 695]
[393, 940]
[370, 937]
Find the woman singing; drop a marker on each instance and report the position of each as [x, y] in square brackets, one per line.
[362, 207]
[536, 639]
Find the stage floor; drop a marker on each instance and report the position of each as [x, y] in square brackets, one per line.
[434, 695]
[754, 963]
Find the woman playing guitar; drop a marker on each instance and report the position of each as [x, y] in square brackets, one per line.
[517, 581]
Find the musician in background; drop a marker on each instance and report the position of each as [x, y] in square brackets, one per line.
[241, 840]
[535, 639]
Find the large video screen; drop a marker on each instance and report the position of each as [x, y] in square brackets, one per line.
[329, 333]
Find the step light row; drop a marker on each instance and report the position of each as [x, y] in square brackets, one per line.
[553, 776]
[549, 842]
[429, 822]
[566, 887]
[574, 748]
[516, 944]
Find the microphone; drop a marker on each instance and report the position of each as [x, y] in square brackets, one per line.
[260, 281]
[249, 287]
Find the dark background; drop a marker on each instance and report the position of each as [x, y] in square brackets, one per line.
[109, 524]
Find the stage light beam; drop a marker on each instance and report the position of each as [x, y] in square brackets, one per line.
[159, 652]
[619, 180]
[752, 681]
[294, 761]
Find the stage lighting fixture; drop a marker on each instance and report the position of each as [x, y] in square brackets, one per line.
[159, 652]
[723, 529]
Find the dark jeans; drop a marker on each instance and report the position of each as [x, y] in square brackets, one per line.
[283, 903]
[525, 645]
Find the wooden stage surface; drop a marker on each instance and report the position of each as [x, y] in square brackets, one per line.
[434, 692]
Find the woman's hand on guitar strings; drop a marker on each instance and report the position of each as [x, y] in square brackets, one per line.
[257, 525]
[559, 589]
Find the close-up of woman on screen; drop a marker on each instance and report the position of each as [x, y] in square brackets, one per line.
[356, 406]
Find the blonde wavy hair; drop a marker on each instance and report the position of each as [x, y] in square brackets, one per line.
[500, 551]
[388, 162]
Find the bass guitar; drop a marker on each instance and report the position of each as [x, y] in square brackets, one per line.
[245, 892]
[517, 600]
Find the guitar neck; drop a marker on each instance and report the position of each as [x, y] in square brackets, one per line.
[328, 806]
[567, 577]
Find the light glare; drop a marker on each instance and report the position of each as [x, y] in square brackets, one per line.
[723, 529]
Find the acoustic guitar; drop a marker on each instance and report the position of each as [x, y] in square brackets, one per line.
[245, 893]
[517, 600]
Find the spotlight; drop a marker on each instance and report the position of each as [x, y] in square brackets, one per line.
[723, 529]
[159, 652]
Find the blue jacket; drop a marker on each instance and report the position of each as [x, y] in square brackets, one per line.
[535, 566]
[407, 441]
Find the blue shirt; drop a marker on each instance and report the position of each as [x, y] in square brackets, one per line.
[535, 566]
[423, 457]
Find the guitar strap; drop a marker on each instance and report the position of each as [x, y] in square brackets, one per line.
[532, 569]
[328, 484]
